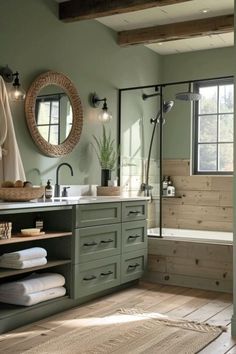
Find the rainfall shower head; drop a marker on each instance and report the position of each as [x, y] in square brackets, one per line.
[145, 96]
[188, 96]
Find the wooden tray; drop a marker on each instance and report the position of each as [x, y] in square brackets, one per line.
[30, 235]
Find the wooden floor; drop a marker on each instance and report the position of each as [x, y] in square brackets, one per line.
[193, 304]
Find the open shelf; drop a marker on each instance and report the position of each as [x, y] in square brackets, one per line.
[19, 238]
[7, 310]
[171, 197]
[7, 272]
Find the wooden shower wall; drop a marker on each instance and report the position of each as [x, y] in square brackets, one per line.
[206, 202]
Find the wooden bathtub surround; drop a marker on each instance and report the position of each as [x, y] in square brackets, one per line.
[206, 201]
[197, 265]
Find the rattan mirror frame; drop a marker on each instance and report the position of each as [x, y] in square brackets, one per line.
[59, 79]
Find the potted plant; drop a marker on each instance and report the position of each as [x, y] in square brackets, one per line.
[107, 155]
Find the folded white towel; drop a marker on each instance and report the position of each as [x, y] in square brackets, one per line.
[23, 255]
[34, 298]
[23, 264]
[33, 283]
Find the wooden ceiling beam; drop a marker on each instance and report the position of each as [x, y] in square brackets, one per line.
[176, 31]
[76, 10]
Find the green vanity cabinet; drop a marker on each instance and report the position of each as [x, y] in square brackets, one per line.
[110, 245]
[133, 265]
[97, 214]
[98, 246]
[134, 236]
[92, 277]
[97, 242]
[134, 211]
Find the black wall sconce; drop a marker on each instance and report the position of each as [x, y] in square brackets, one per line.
[104, 115]
[16, 93]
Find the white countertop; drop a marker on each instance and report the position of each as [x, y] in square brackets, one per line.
[67, 201]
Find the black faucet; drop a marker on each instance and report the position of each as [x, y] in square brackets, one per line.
[57, 186]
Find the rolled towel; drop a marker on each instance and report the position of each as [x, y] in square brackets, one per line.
[23, 264]
[33, 283]
[34, 298]
[23, 255]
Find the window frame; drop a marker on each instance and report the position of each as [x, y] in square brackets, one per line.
[196, 87]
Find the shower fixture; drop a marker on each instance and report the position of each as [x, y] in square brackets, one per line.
[145, 96]
[189, 95]
[166, 107]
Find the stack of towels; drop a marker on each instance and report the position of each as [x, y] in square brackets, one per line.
[30, 257]
[34, 289]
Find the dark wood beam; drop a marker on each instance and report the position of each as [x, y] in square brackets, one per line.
[179, 30]
[76, 10]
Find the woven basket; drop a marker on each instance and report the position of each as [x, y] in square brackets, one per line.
[106, 191]
[21, 194]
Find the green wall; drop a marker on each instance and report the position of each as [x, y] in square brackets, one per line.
[33, 41]
[189, 66]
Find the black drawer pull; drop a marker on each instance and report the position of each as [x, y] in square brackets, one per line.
[107, 241]
[88, 244]
[90, 278]
[134, 212]
[107, 273]
[134, 236]
[133, 266]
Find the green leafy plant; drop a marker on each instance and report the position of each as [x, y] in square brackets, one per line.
[105, 150]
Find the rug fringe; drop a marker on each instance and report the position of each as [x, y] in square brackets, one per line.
[179, 322]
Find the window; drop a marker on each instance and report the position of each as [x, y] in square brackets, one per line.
[47, 114]
[213, 128]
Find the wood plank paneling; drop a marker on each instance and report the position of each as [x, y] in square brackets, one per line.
[198, 265]
[176, 167]
[206, 202]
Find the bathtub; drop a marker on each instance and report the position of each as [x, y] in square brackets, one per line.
[200, 236]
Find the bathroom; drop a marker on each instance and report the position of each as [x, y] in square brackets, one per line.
[34, 41]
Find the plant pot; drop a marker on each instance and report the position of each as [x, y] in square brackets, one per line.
[105, 177]
[108, 191]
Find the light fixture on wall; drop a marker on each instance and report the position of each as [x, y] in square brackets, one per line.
[104, 115]
[16, 93]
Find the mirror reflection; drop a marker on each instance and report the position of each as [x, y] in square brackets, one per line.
[53, 114]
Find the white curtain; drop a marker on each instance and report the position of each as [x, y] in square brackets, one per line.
[11, 167]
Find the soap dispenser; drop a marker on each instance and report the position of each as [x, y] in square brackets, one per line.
[48, 190]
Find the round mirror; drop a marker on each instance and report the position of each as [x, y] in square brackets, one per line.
[54, 114]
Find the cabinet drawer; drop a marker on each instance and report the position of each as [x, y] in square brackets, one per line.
[92, 277]
[134, 236]
[97, 214]
[132, 211]
[97, 242]
[133, 265]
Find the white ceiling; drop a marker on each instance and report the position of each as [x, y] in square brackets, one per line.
[185, 11]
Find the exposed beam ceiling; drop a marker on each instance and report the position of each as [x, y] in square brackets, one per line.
[175, 31]
[75, 10]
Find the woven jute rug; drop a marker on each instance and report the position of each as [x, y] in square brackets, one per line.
[131, 331]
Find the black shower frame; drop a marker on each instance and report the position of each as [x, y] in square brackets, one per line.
[159, 88]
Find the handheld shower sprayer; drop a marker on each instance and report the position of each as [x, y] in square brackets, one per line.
[166, 107]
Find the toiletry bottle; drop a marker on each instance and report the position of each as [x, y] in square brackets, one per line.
[169, 182]
[39, 222]
[48, 190]
[164, 186]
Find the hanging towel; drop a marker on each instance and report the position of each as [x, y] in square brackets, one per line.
[33, 283]
[23, 255]
[11, 167]
[23, 264]
[34, 298]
